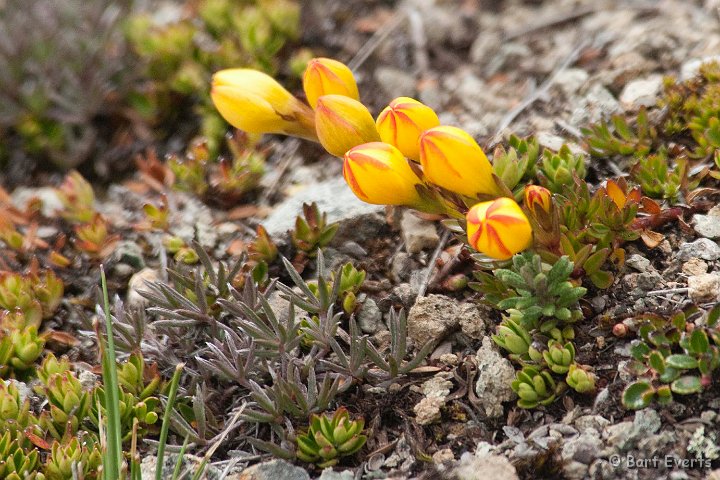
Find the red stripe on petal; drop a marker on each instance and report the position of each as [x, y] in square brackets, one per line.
[495, 238]
[352, 181]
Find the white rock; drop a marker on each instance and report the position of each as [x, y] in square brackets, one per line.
[444, 455]
[571, 80]
[138, 283]
[708, 225]
[694, 266]
[427, 410]
[418, 234]
[495, 467]
[333, 197]
[705, 287]
[691, 68]
[48, 196]
[642, 92]
[495, 375]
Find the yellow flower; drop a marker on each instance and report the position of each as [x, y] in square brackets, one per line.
[254, 102]
[402, 122]
[452, 159]
[325, 76]
[343, 123]
[537, 196]
[378, 173]
[498, 228]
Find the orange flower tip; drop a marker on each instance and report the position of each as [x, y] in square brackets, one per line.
[537, 196]
[402, 123]
[498, 228]
[325, 76]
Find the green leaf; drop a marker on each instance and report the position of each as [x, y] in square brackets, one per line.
[639, 350]
[602, 279]
[595, 261]
[638, 395]
[699, 341]
[714, 313]
[656, 361]
[686, 385]
[683, 362]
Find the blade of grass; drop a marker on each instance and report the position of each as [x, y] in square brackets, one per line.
[134, 457]
[178, 462]
[113, 454]
[166, 420]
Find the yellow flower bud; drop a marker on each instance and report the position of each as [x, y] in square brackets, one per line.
[254, 102]
[498, 228]
[343, 123]
[453, 160]
[325, 76]
[402, 122]
[538, 197]
[378, 173]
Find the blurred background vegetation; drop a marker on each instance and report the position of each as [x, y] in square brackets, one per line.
[103, 80]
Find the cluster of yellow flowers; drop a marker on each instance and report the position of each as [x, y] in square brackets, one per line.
[404, 157]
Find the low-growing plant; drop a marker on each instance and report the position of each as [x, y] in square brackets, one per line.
[673, 356]
[330, 438]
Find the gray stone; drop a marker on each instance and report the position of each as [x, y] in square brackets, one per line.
[584, 448]
[330, 474]
[704, 287]
[149, 463]
[651, 280]
[620, 435]
[708, 225]
[369, 316]
[496, 467]
[395, 82]
[332, 196]
[646, 422]
[638, 262]
[406, 294]
[642, 92]
[595, 422]
[473, 320]
[431, 318]
[281, 307]
[597, 104]
[703, 248]
[402, 266]
[272, 470]
[571, 80]
[418, 234]
[495, 375]
[87, 379]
